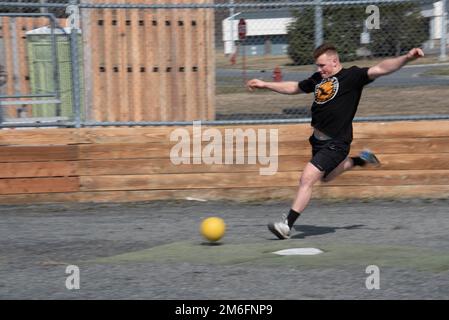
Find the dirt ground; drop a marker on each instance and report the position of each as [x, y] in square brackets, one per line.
[376, 101]
[269, 62]
[153, 250]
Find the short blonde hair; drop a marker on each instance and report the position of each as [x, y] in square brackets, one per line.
[322, 49]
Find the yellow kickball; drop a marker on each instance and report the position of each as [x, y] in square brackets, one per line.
[213, 228]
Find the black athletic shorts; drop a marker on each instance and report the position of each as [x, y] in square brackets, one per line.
[328, 154]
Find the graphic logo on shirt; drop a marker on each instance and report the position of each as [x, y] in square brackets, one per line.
[326, 90]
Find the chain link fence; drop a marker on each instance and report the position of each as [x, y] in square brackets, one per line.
[90, 63]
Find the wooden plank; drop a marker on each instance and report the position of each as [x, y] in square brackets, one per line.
[236, 194]
[184, 181]
[190, 62]
[296, 134]
[399, 129]
[210, 63]
[114, 135]
[129, 49]
[403, 145]
[285, 164]
[178, 75]
[260, 194]
[429, 161]
[164, 61]
[141, 64]
[159, 64]
[39, 169]
[207, 194]
[380, 192]
[302, 147]
[38, 153]
[32, 198]
[151, 109]
[135, 48]
[124, 135]
[201, 31]
[172, 83]
[374, 130]
[123, 151]
[164, 149]
[98, 72]
[40, 137]
[299, 147]
[120, 139]
[165, 166]
[124, 104]
[39, 185]
[362, 177]
[238, 180]
[110, 89]
[151, 134]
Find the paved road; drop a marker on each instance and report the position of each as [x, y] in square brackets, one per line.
[154, 251]
[407, 76]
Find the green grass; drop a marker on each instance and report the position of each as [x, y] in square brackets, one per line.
[443, 71]
[335, 254]
[270, 62]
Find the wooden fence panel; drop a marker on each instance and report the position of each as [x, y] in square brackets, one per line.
[155, 65]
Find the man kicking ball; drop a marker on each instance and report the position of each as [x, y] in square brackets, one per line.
[337, 93]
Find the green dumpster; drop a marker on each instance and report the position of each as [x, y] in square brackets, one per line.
[41, 70]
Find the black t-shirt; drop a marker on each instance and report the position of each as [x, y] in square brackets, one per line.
[336, 100]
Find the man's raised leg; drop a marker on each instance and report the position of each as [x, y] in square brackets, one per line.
[345, 165]
[365, 157]
[309, 177]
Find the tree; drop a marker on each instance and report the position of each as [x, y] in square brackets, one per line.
[300, 36]
[402, 27]
[341, 27]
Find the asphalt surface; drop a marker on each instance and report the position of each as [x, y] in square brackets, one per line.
[153, 250]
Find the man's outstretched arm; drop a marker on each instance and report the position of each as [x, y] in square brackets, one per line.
[285, 87]
[391, 65]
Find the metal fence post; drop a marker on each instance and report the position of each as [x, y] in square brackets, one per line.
[55, 60]
[73, 9]
[443, 40]
[231, 15]
[318, 23]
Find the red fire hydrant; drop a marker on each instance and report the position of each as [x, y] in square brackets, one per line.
[277, 74]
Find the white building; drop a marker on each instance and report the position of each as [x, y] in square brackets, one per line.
[435, 16]
[266, 31]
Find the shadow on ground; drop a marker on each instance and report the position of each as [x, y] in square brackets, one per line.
[312, 230]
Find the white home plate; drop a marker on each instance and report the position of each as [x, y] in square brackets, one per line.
[298, 251]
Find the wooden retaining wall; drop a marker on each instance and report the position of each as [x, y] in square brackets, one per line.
[133, 164]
